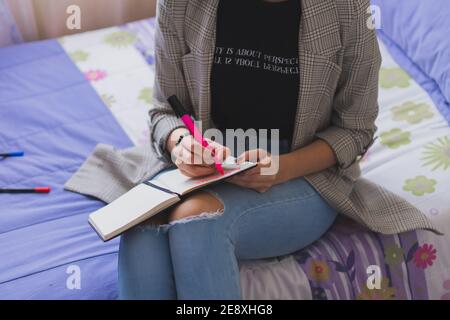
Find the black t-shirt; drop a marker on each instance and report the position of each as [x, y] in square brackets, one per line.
[255, 75]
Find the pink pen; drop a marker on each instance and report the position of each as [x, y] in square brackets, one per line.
[183, 114]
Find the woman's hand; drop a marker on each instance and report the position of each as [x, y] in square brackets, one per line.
[191, 157]
[254, 178]
[312, 158]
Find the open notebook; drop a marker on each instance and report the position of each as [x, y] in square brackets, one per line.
[151, 197]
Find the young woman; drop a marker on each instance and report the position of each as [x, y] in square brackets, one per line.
[307, 68]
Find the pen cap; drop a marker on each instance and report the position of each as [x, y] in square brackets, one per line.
[177, 107]
[42, 190]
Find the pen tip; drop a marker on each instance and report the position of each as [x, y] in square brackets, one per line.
[220, 169]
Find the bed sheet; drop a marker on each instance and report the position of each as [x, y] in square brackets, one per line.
[47, 241]
[49, 110]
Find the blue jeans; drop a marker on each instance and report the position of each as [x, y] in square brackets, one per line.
[197, 258]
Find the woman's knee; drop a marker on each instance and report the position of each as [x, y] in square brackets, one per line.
[195, 205]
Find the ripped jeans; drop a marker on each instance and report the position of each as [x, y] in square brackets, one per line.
[197, 258]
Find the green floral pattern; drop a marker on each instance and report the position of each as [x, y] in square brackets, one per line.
[120, 39]
[420, 185]
[411, 112]
[393, 255]
[394, 78]
[395, 138]
[146, 95]
[384, 293]
[79, 56]
[108, 99]
[437, 154]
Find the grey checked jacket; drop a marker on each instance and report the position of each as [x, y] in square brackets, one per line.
[339, 63]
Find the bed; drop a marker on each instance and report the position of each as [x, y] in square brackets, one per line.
[59, 98]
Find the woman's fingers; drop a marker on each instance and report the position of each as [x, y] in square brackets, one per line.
[247, 155]
[191, 159]
[194, 171]
[191, 164]
[200, 155]
[221, 152]
[263, 163]
[184, 163]
[253, 171]
[254, 179]
[208, 156]
[194, 160]
[260, 187]
[186, 154]
[249, 179]
[254, 155]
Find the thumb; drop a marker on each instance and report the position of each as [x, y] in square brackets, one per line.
[250, 155]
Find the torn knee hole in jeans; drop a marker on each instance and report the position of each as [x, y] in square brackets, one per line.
[165, 227]
[204, 215]
[201, 216]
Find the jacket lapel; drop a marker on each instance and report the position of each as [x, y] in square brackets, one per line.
[319, 38]
[319, 27]
[205, 40]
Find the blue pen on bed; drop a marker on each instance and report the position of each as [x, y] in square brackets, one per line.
[12, 154]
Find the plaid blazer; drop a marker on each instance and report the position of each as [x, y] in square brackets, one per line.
[339, 63]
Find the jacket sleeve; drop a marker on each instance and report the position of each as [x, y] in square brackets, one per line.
[355, 106]
[169, 78]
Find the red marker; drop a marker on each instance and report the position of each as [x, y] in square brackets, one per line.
[33, 190]
[181, 112]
